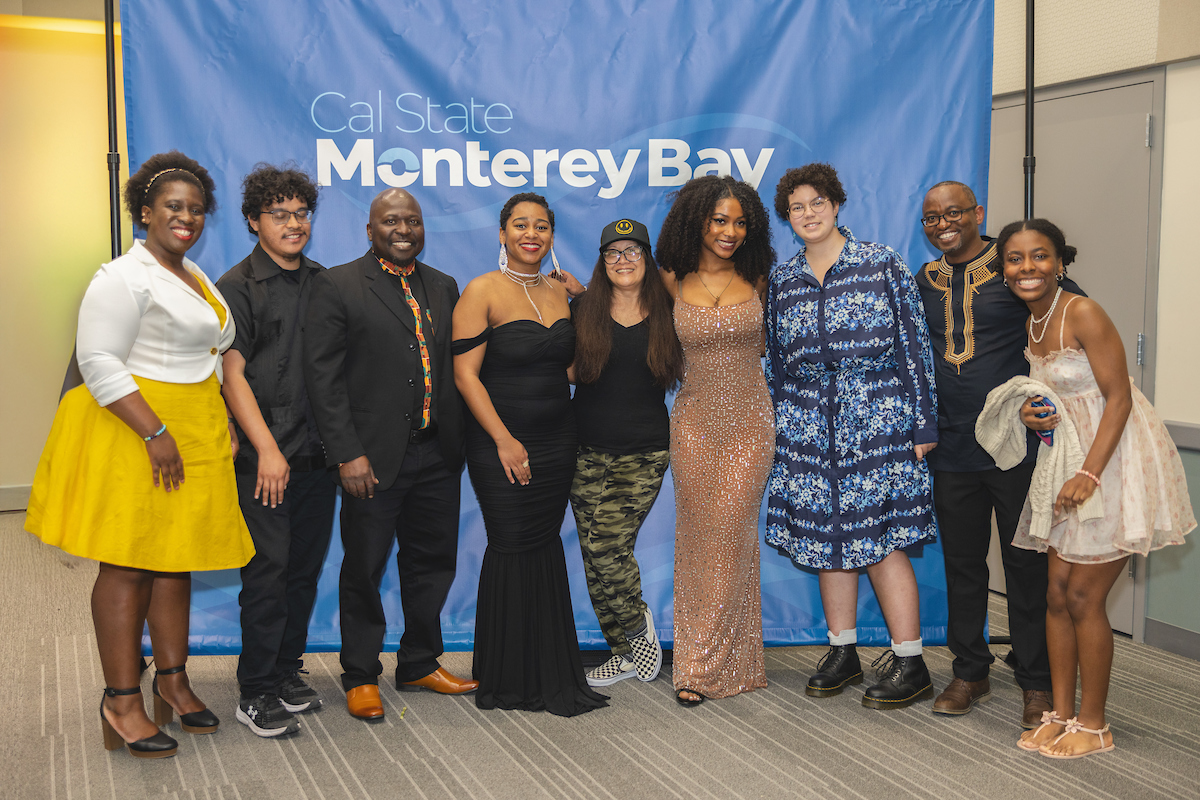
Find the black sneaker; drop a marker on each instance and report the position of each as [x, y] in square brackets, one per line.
[903, 680]
[296, 695]
[266, 716]
[838, 669]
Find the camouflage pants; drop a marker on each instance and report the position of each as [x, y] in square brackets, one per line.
[611, 496]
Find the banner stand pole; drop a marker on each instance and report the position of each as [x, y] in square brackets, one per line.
[114, 156]
[1030, 163]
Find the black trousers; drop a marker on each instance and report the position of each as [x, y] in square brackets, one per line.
[420, 510]
[279, 585]
[964, 503]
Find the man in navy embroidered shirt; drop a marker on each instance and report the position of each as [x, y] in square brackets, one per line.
[977, 329]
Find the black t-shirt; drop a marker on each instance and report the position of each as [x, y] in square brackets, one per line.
[624, 411]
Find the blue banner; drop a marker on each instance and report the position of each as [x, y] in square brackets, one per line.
[604, 108]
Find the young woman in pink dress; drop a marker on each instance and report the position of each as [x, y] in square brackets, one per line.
[1128, 458]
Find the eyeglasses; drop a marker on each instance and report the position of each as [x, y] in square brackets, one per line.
[631, 253]
[281, 217]
[816, 206]
[953, 215]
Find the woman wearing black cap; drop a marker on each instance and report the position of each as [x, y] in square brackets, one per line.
[626, 358]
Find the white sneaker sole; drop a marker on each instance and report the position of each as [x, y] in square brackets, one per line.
[595, 682]
[311, 705]
[266, 733]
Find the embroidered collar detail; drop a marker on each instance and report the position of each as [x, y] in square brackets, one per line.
[975, 273]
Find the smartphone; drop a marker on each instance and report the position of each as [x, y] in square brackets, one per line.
[1045, 436]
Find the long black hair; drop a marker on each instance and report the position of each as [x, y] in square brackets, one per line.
[679, 241]
[592, 315]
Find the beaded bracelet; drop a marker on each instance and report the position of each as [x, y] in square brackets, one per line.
[1095, 480]
[156, 434]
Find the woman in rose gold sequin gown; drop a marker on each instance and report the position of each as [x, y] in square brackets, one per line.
[715, 251]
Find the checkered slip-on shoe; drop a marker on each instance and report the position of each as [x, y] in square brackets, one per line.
[647, 652]
[617, 668]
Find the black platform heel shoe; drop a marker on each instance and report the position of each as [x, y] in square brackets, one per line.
[203, 721]
[157, 746]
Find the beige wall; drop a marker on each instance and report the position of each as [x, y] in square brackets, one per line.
[1177, 386]
[54, 222]
[1076, 39]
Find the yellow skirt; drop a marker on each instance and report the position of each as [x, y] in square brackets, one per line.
[93, 494]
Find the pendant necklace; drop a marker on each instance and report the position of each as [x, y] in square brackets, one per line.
[525, 282]
[1043, 319]
[716, 297]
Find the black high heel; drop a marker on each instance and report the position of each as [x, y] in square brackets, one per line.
[203, 721]
[157, 746]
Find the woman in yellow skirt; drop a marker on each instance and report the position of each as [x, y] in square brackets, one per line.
[137, 472]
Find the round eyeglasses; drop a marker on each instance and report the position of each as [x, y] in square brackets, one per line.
[816, 206]
[631, 253]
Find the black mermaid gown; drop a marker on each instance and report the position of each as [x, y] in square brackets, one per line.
[526, 647]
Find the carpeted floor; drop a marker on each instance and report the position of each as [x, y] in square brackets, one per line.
[773, 743]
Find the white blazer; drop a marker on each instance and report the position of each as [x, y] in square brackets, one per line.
[138, 318]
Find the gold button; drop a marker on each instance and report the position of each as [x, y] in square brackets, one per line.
[213, 351]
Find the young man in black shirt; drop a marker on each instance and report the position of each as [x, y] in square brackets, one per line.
[285, 492]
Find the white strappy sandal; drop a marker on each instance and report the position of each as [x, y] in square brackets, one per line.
[1073, 726]
[1048, 718]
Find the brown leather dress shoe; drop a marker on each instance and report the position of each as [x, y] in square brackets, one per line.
[960, 695]
[1036, 701]
[439, 681]
[364, 703]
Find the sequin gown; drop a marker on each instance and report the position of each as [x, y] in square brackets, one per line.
[722, 442]
[526, 647]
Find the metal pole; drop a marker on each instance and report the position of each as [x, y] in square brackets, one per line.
[1030, 163]
[114, 156]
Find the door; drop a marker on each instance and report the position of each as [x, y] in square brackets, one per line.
[1096, 180]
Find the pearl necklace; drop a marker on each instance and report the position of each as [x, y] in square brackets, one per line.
[525, 281]
[1043, 319]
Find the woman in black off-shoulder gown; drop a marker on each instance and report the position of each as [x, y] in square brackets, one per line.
[521, 447]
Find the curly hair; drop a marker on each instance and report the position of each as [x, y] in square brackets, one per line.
[1046, 228]
[268, 184]
[525, 197]
[819, 176]
[142, 188]
[592, 315]
[682, 233]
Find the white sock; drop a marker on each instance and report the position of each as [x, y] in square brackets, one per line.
[848, 636]
[907, 649]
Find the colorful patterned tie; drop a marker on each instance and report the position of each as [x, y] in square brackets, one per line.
[403, 273]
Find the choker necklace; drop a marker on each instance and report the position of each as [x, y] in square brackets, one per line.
[1043, 319]
[525, 281]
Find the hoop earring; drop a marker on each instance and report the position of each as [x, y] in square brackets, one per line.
[1061, 275]
[503, 259]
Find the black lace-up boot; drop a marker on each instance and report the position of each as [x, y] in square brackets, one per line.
[903, 680]
[836, 670]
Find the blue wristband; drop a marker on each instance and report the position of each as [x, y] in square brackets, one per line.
[156, 434]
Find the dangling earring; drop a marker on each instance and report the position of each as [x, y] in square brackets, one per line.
[503, 259]
[1004, 281]
[1061, 275]
[554, 260]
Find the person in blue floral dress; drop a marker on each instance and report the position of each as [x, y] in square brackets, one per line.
[851, 379]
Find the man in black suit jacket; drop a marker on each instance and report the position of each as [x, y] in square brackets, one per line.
[380, 379]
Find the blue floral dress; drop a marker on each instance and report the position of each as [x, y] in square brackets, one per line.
[851, 377]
